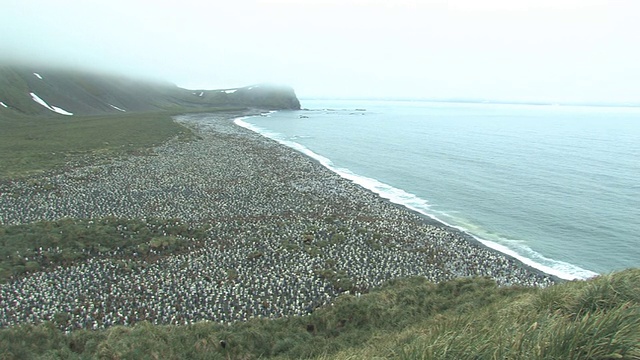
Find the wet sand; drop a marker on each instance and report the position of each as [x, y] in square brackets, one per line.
[286, 235]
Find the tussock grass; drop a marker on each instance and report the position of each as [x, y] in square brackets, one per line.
[406, 319]
[598, 319]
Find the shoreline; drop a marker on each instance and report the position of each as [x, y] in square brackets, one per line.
[472, 239]
[428, 219]
[285, 236]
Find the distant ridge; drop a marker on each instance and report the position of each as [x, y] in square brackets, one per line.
[59, 92]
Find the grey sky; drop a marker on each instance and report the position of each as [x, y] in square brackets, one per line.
[551, 50]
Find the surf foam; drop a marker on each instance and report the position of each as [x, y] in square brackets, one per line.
[531, 258]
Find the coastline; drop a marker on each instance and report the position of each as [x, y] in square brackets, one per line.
[472, 239]
[286, 235]
[428, 219]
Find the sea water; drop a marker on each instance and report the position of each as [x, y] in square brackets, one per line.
[557, 187]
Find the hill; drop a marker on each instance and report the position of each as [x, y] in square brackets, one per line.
[60, 92]
[59, 117]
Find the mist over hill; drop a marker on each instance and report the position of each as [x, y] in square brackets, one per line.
[29, 90]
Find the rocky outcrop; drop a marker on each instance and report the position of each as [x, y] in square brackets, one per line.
[269, 97]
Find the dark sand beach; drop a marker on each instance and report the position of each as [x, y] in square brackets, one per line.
[294, 234]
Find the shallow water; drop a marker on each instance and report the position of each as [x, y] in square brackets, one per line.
[556, 186]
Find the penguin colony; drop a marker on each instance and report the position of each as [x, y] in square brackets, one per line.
[285, 236]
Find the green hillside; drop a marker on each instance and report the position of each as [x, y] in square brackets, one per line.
[31, 144]
[406, 319]
[112, 115]
[82, 93]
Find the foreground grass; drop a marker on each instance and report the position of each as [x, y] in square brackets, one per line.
[406, 319]
[30, 145]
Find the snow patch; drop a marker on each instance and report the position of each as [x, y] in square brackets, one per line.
[55, 109]
[61, 111]
[3, 104]
[117, 108]
[38, 76]
[37, 99]
[230, 91]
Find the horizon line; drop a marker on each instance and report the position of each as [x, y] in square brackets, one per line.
[478, 101]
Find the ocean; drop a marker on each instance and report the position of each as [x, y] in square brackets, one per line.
[557, 187]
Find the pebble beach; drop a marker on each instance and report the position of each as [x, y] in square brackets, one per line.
[285, 236]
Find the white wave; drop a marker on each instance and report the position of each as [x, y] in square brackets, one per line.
[524, 254]
[3, 104]
[38, 76]
[56, 109]
[517, 249]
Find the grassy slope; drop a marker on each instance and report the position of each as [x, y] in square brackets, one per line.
[35, 139]
[83, 93]
[407, 319]
[29, 144]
